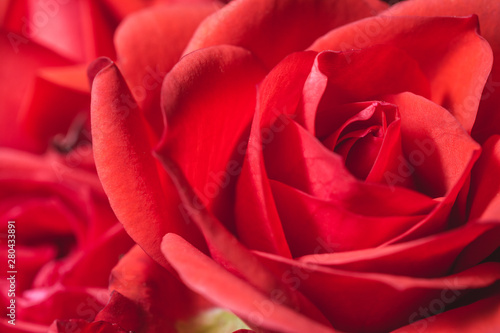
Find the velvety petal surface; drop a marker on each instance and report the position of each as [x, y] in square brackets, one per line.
[222, 287]
[428, 41]
[307, 220]
[485, 185]
[337, 78]
[372, 302]
[278, 95]
[227, 251]
[145, 61]
[432, 256]
[127, 169]
[440, 152]
[274, 29]
[481, 316]
[208, 100]
[146, 297]
[488, 12]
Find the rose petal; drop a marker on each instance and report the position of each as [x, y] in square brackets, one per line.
[437, 54]
[319, 172]
[99, 256]
[485, 184]
[337, 78]
[145, 61]
[79, 31]
[21, 327]
[20, 61]
[306, 219]
[159, 299]
[440, 156]
[481, 316]
[211, 91]
[488, 12]
[360, 302]
[257, 221]
[228, 252]
[432, 256]
[41, 305]
[79, 325]
[47, 113]
[127, 169]
[225, 289]
[274, 29]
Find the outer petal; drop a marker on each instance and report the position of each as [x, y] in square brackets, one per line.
[146, 297]
[228, 252]
[145, 61]
[274, 29]
[371, 302]
[432, 256]
[209, 100]
[77, 30]
[18, 67]
[225, 289]
[488, 11]
[58, 96]
[127, 169]
[485, 184]
[456, 68]
[482, 316]
[82, 326]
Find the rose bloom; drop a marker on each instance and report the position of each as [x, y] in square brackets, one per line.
[321, 166]
[66, 237]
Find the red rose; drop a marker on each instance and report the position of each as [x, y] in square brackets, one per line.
[351, 186]
[66, 240]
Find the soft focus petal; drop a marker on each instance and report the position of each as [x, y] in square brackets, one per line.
[18, 67]
[58, 96]
[77, 30]
[146, 297]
